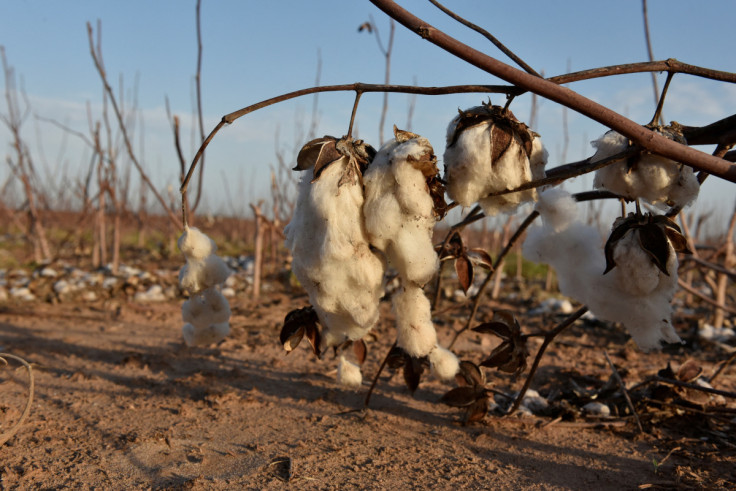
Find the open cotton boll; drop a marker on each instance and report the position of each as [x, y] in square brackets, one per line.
[399, 211]
[472, 172]
[630, 297]
[655, 179]
[415, 331]
[348, 373]
[635, 271]
[200, 274]
[201, 336]
[195, 245]
[443, 363]
[206, 308]
[332, 258]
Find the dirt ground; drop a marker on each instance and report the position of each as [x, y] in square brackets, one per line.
[121, 403]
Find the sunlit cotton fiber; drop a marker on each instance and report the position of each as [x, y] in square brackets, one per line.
[443, 363]
[195, 245]
[415, 330]
[655, 179]
[399, 212]
[471, 174]
[633, 293]
[206, 308]
[331, 255]
[200, 274]
[348, 372]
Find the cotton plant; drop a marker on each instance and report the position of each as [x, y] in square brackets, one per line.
[400, 216]
[658, 180]
[630, 280]
[207, 313]
[332, 257]
[487, 151]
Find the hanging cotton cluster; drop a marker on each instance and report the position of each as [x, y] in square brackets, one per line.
[488, 150]
[636, 292]
[332, 258]
[400, 217]
[206, 313]
[658, 180]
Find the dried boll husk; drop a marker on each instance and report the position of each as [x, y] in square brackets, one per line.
[415, 331]
[399, 210]
[637, 295]
[655, 179]
[202, 336]
[206, 308]
[332, 258]
[195, 245]
[488, 150]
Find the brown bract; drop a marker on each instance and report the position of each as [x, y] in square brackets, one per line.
[319, 153]
[510, 356]
[656, 234]
[470, 394]
[413, 367]
[300, 322]
[465, 259]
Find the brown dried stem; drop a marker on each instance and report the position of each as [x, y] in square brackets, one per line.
[709, 390]
[722, 367]
[8, 434]
[123, 129]
[548, 337]
[621, 384]
[378, 374]
[640, 135]
[487, 35]
[198, 88]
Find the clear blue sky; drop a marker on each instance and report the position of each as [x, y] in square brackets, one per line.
[256, 50]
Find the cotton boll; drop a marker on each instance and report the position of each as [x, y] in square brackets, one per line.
[415, 330]
[206, 308]
[195, 245]
[655, 179]
[348, 373]
[444, 363]
[200, 274]
[399, 211]
[332, 258]
[473, 168]
[198, 336]
[637, 299]
[635, 271]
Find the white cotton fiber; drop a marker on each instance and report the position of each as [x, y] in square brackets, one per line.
[332, 258]
[195, 245]
[201, 336]
[415, 331]
[655, 179]
[206, 308]
[443, 362]
[471, 174]
[348, 373]
[634, 293]
[200, 274]
[399, 211]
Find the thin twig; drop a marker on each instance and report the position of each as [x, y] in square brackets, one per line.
[488, 36]
[7, 435]
[722, 367]
[706, 299]
[198, 88]
[621, 384]
[547, 340]
[658, 112]
[476, 300]
[640, 135]
[650, 53]
[709, 390]
[378, 374]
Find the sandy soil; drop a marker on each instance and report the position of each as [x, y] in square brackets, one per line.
[121, 403]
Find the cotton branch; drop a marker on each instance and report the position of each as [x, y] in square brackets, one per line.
[638, 134]
[121, 123]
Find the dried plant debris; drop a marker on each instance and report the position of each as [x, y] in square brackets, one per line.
[465, 260]
[636, 293]
[412, 367]
[207, 313]
[510, 356]
[471, 393]
[488, 150]
[655, 179]
[297, 324]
